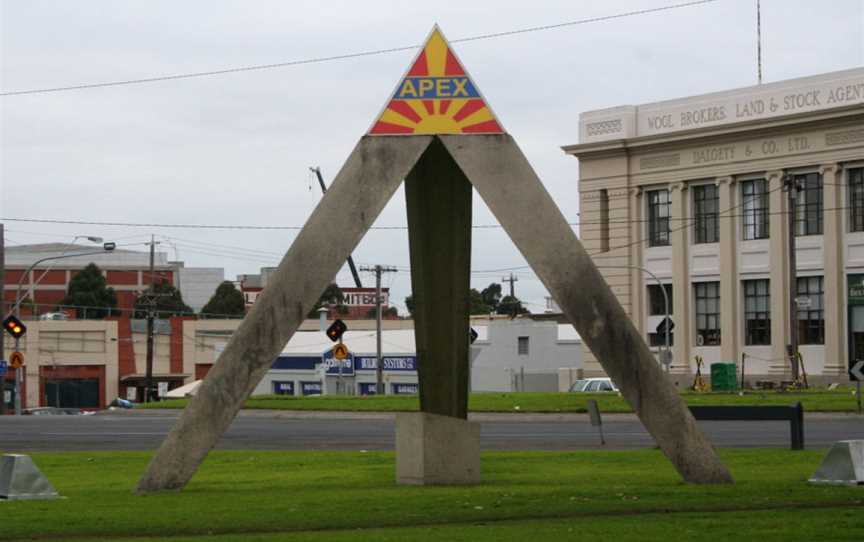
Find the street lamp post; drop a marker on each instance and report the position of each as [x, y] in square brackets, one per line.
[106, 247]
[91, 238]
[668, 351]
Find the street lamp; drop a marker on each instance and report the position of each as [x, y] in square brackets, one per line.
[91, 238]
[667, 354]
[106, 247]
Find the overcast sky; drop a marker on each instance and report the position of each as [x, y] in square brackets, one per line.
[236, 148]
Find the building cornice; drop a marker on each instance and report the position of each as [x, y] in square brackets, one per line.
[853, 115]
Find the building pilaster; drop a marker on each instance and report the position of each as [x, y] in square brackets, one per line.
[680, 237]
[730, 316]
[779, 257]
[637, 290]
[835, 276]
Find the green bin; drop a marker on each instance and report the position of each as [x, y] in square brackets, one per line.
[724, 377]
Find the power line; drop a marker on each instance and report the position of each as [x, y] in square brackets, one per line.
[375, 52]
[203, 226]
[298, 228]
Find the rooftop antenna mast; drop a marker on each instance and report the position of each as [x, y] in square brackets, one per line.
[759, 40]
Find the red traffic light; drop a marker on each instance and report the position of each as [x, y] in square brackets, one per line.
[336, 330]
[14, 326]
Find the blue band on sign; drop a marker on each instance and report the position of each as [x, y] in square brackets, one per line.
[436, 88]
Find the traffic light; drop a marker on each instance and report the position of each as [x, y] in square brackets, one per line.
[336, 330]
[14, 326]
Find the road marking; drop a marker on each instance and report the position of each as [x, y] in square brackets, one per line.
[104, 435]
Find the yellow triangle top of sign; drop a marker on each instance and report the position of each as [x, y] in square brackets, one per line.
[436, 96]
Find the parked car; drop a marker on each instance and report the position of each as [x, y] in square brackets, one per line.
[54, 316]
[594, 385]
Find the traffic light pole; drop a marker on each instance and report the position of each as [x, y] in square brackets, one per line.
[18, 372]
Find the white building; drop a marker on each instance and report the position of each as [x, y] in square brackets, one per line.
[692, 189]
[520, 355]
[523, 355]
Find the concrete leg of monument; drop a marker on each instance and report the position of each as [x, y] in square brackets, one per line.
[510, 187]
[360, 191]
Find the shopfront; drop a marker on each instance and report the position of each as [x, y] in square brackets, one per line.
[73, 386]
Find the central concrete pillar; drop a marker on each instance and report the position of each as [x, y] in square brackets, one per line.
[438, 197]
[438, 445]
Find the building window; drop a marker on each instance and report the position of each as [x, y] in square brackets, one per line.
[856, 199]
[707, 295]
[522, 346]
[754, 204]
[706, 205]
[656, 303]
[808, 204]
[604, 220]
[757, 312]
[811, 312]
[659, 209]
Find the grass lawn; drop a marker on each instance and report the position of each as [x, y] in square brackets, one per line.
[813, 401]
[587, 495]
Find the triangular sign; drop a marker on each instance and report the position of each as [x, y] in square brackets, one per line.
[436, 96]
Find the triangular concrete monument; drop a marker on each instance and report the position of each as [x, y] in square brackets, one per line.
[440, 157]
[21, 479]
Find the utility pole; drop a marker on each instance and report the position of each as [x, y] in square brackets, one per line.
[379, 362]
[792, 186]
[513, 278]
[2, 311]
[354, 273]
[151, 315]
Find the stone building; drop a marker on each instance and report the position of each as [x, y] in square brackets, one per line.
[692, 190]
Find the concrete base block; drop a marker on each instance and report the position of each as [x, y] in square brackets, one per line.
[436, 450]
[843, 465]
[21, 479]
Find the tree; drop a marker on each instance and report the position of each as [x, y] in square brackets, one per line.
[511, 305]
[389, 312]
[476, 303]
[492, 295]
[332, 298]
[90, 295]
[169, 302]
[409, 304]
[227, 302]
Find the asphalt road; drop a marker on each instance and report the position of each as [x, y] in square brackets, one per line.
[262, 430]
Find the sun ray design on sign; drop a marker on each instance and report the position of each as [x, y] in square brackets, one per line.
[436, 96]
